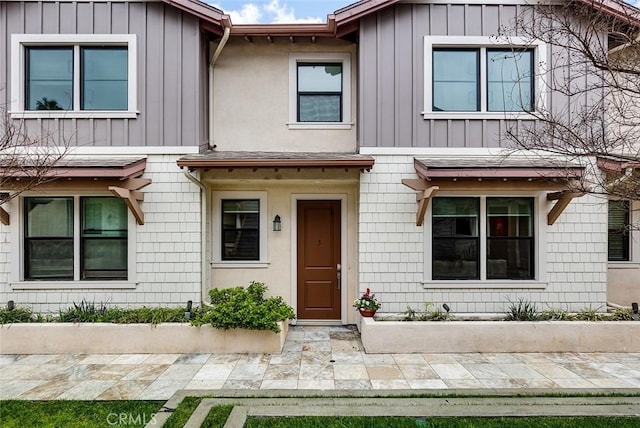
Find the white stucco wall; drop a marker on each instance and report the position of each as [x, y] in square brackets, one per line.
[392, 252]
[282, 189]
[252, 95]
[168, 263]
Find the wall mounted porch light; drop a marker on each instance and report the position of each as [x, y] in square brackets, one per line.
[277, 224]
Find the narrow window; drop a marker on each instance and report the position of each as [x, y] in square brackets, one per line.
[319, 92]
[509, 80]
[240, 229]
[103, 244]
[510, 238]
[49, 78]
[619, 228]
[456, 80]
[455, 238]
[104, 83]
[48, 238]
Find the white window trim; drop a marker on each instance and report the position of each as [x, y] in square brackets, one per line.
[342, 58]
[216, 207]
[16, 276]
[20, 41]
[634, 240]
[540, 244]
[483, 42]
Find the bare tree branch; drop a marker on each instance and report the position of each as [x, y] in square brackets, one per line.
[25, 160]
[593, 89]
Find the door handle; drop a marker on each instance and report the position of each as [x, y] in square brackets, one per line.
[339, 275]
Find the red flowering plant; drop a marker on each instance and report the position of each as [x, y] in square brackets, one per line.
[367, 301]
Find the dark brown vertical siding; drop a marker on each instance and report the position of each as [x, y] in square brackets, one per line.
[171, 91]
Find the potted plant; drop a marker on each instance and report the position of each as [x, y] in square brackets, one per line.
[367, 304]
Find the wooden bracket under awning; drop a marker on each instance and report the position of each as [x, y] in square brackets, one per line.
[563, 199]
[424, 195]
[129, 190]
[4, 217]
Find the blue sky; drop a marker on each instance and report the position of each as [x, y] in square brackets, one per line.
[286, 11]
[278, 11]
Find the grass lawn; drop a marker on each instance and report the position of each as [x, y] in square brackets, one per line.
[183, 412]
[395, 422]
[76, 414]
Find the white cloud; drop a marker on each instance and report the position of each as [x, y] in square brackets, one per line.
[272, 12]
[249, 14]
[282, 14]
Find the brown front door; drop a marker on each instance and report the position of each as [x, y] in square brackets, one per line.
[318, 260]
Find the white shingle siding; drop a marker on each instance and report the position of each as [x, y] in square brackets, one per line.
[392, 251]
[168, 262]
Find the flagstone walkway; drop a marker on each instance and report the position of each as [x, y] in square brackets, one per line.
[314, 358]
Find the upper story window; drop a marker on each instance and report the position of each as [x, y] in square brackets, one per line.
[474, 77]
[320, 91]
[619, 231]
[50, 78]
[73, 75]
[482, 238]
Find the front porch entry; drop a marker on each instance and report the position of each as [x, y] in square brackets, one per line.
[318, 266]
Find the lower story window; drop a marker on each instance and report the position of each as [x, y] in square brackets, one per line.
[469, 232]
[619, 231]
[53, 242]
[240, 229]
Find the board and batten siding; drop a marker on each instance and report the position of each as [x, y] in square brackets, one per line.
[391, 75]
[171, 69]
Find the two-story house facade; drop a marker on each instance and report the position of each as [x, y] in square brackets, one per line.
[121, 88]
[372, 151]
[197, 155]
[454, 211]
[282, 174]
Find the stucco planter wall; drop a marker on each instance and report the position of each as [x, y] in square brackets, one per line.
[499, 336]
[51, 338]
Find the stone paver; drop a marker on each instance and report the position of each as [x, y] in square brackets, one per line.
[314, 358]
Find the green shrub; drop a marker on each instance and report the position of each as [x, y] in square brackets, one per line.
[555, 314]
[427, 314]
[590, 314]
[84, 311]
[245, 308]
[90, 312]
[622, 314]
[15, 315]
[522, 310]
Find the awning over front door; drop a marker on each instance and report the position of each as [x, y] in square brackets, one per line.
[275, 160]
[496, 173]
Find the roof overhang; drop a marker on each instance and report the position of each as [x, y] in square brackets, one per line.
[211, 19]
[284, 30]
[114, 168]
[620, 10]
[125, 172]
[617, 164]
[504, 169]
[275, 160]
[499, 172]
